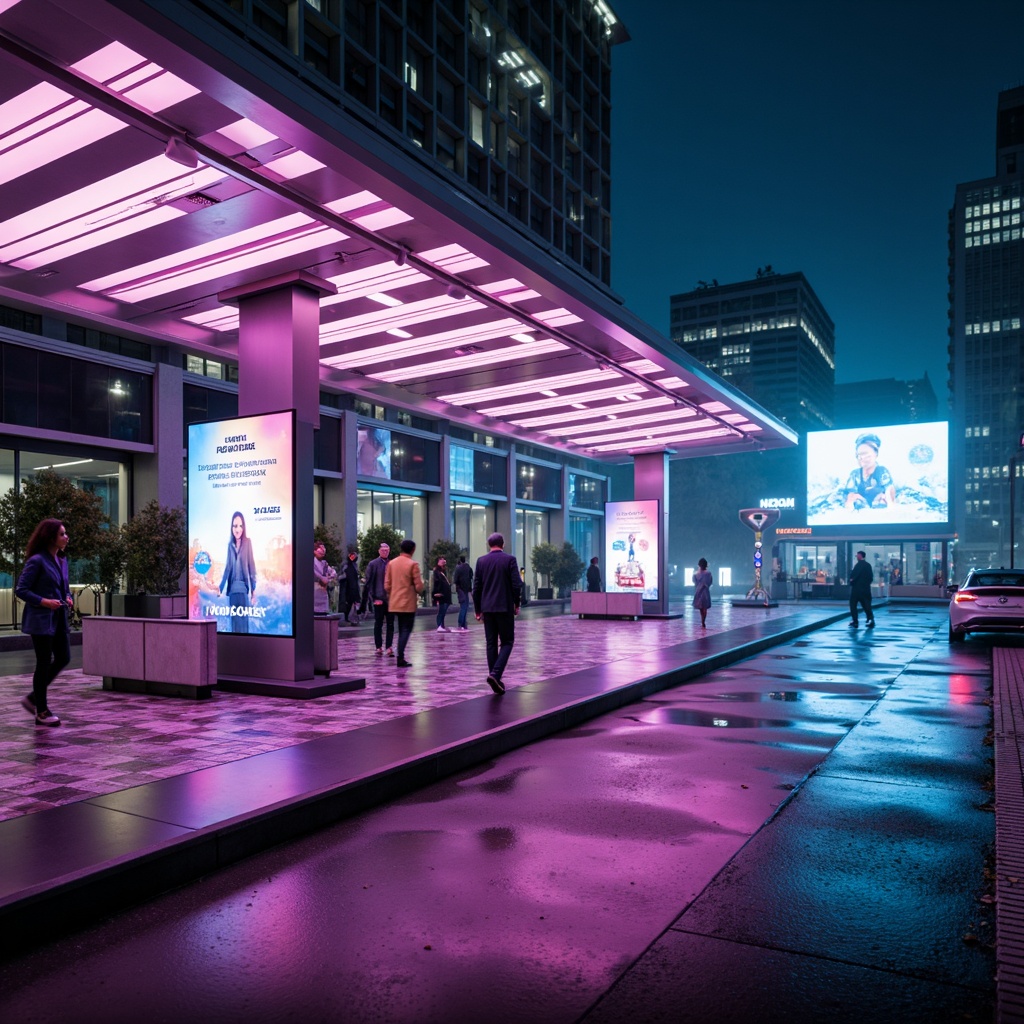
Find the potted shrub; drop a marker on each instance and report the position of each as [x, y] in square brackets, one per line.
[568, 569]
[544, 561]
[155, 554]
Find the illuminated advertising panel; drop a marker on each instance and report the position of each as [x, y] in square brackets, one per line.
[878, 476]
[241, 523]
[373, 452]
[631, 548]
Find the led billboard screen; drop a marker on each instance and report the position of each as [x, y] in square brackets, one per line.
[373, 452]
[884, 476]
[631, 538]
[241, 523]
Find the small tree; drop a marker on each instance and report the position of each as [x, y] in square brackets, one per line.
[446, 549]
[568, 570]
[544, 560]
[110, 557]
[371, 540]
[49, 495]
[156, 549]
[330, 537]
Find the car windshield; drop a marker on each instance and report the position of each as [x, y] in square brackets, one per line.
[996, 579]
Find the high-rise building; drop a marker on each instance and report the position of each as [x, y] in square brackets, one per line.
[986, 294]
[770, 337]
[885, 401]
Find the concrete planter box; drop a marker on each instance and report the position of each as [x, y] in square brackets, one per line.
[150, 606]
[169, 657]
[606, 606]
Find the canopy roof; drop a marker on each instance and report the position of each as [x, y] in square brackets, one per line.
[150, 164]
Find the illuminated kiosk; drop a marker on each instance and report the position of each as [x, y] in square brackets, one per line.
[759, 520]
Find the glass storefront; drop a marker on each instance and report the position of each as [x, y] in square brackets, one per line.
[471, 524]
[893, 563]
[532, 528]
[585, 536]
[405, 511]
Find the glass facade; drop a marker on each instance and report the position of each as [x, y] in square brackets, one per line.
[406, 512]
[532, 528]
[471, 524]
[538, 483]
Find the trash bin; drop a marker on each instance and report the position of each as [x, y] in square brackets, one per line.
[325, 643]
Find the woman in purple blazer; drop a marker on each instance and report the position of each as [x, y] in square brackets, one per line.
[43, 586]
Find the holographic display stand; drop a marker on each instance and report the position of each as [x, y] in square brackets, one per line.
[759, 520]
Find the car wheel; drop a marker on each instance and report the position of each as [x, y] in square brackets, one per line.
[955, 636]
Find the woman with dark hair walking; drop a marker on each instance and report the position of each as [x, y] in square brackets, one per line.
[43, 586]
[702, 580]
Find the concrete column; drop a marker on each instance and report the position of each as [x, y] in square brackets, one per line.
[439, 506]
[278, 369]
[160, 475]
[650, 481]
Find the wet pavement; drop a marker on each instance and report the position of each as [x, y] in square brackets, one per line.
[799, 836]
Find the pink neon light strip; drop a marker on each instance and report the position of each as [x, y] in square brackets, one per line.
[559, 401]
[294, 165]
[621, 424]
[627, 430]
[594, 412]
[409, 314]
[382, 277]
[489, 358]
[421, 346]
[453, 258]
[659, 443]
[536, 386]
[247, 134]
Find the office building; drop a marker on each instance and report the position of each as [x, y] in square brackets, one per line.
[884, 401]
[771, 337]
[986, 294]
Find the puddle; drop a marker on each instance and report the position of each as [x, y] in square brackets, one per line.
[711, 720]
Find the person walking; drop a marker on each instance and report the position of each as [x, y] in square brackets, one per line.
[463, 580]
[350, 587]
[441, 588]
[43, 586]
[702, 580]
[860, 591]
[323, 575]
[403, 582]
[376, 597]
[593, 577]
[497, 593]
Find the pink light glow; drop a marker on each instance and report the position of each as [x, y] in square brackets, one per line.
[453, 258]
[408, 315]
[382, 277]
[510, 284]
[109, 62]
[127, 72]
[421, 346]
[644, 367]
[715, 407]
[356, 201]
[247, 134]
[101, 212]
[624, 429]
[383, 219]
[223, 318]
[294, 165]
[672, 382]
[658, 443]
[489, 358]
[537, 386]
[593, 412]
[6, 5]
[287, 236]
[557, 317]
[625, 423]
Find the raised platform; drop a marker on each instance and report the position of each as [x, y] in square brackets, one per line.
[290, 689]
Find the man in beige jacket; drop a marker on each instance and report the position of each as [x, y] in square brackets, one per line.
[403, 583]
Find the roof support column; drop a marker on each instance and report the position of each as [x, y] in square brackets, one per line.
[279, 369]
[650, 482]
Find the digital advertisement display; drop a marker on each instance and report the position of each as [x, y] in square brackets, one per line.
[373, 452]
[878, 475]
[631, 548]
[241, 523]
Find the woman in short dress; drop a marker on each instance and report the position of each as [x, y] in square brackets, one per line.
[702, 580]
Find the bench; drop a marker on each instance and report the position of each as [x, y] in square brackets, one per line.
[168, 657]
[606, 606]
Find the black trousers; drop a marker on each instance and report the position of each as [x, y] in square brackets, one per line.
[405, 624]
[862, 597]
[52, 654]
[380, 616]
[499, 626]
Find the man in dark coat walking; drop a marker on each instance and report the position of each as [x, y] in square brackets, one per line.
[860, 590]
[497, 592]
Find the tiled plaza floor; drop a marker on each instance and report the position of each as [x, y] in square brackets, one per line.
[113, 741]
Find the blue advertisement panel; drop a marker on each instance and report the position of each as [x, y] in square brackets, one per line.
[878, 476]
[631, 547]
[241, 523]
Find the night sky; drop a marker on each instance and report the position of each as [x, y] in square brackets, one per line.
[823, 137]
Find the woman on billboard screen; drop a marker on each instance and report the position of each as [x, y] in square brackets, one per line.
[238, 583]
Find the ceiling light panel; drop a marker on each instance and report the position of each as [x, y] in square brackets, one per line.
[491, 357]
[622, 422]
[537, 422]
[535, 386]
[408, 315]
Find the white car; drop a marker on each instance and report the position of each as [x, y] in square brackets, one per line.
[988, 601]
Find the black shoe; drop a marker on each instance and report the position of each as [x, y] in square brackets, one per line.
[402, 663]
[29, 704]
[47, 717]
[871, 623]
[853, 625]
[496, 684]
